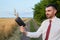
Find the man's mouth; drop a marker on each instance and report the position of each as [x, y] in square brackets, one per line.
[47, 14]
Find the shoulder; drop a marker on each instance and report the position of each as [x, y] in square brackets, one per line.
[44, 21]
[58, 19]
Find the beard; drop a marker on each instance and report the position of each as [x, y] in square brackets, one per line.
[49, 16]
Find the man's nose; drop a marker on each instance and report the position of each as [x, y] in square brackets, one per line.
[46, 12]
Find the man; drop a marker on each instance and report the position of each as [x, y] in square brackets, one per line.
[50, 28]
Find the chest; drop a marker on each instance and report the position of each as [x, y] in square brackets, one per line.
[55, 28]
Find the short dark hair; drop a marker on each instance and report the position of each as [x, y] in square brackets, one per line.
[53, 5]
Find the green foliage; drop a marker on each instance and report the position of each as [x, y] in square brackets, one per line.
[32, 30]
[39, 9]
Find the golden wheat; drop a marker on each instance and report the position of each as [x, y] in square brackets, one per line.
[8, 26]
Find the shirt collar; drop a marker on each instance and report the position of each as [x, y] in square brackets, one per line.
[53, 18]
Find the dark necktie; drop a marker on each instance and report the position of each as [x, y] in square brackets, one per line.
[48, 30]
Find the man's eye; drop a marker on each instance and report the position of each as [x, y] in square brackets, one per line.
[49, 10]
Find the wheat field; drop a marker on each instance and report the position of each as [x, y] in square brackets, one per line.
[8, 26]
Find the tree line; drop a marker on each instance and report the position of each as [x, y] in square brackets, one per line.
[39, 9]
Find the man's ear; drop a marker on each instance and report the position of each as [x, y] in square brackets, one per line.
[55, 11]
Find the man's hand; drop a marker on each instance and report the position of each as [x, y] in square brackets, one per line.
[22, 29]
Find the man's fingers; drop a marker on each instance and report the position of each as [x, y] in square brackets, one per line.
[22, 29]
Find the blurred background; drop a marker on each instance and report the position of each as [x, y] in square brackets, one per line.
[32, 12]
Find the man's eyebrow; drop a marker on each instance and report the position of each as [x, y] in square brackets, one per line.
[48, 10]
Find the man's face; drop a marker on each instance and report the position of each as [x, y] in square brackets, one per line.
[50, 12]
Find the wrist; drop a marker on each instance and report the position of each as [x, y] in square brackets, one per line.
[25, 32]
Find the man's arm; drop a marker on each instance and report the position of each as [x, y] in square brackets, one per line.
[32, 34]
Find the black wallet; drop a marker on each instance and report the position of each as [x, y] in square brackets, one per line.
[20, 21]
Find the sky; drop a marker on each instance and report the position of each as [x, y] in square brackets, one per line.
[23, 7]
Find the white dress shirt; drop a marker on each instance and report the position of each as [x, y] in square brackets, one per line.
[54, 31]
